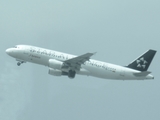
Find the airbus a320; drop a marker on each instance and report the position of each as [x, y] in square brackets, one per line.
[62, 64]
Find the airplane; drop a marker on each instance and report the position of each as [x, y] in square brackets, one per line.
[62, 64]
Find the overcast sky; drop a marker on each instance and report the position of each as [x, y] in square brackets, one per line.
[118, 30]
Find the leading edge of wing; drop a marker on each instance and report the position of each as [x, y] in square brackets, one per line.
[80, 59]
[76, 62]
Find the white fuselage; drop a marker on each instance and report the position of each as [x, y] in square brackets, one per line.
[90, 68]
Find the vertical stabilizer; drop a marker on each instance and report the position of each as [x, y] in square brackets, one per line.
[143, 62]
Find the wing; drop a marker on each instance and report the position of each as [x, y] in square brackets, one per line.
[76, 62]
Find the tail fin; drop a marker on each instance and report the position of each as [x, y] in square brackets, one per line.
[142, 63]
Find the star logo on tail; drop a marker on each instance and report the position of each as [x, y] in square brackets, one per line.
[141, 63]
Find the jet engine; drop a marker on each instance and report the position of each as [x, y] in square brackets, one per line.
[54, 72]
[55, 64]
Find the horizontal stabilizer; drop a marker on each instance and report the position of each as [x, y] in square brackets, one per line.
[145, 73]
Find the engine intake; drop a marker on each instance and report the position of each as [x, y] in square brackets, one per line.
[55, 64]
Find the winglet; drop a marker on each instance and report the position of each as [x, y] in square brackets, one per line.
[94, 53]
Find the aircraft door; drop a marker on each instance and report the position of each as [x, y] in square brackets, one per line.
[122, 73]
[27, 53]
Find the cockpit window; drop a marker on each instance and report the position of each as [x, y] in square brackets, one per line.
[16, 46]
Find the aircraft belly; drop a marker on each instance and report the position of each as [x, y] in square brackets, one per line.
[101, 73]
[42, 61]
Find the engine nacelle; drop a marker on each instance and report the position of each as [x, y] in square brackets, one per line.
[55, 64]
[54, 72]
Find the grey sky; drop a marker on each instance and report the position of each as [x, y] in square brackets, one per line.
[119, 31]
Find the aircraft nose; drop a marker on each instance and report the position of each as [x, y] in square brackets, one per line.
[9, 51]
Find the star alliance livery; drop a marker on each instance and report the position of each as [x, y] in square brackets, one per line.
[62, 64]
